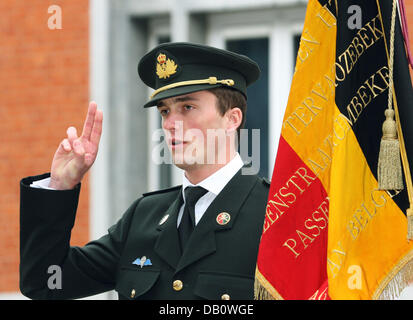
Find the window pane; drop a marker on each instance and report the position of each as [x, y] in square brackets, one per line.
[296, 44]
[257, 111]
[163, 39]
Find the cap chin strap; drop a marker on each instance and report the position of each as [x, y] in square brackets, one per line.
[210, 80]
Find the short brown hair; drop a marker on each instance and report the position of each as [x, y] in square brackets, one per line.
[228, 99]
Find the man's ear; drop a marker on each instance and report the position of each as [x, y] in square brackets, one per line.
[234, 117]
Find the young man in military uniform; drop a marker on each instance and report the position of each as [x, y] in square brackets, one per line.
[195, 241]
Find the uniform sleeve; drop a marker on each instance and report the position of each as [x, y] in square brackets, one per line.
[46, 220]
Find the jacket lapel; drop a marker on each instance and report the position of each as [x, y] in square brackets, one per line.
[230, 199]
[167, 244]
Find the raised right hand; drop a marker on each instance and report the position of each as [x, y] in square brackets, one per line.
[75, 155]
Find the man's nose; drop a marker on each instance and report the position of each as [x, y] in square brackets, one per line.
[172, 122]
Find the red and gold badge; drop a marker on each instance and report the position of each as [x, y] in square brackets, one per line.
[223, 218]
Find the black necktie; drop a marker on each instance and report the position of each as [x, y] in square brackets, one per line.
[187, 225]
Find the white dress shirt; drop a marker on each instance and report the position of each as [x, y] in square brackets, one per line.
[213, 184]
[42, 184]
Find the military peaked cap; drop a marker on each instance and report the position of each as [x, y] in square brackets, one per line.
[178, 68]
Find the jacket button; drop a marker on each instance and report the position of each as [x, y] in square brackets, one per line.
[177, 285]
[132, 293]
[225, 297]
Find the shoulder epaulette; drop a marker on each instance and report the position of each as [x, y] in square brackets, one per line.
[162, 191]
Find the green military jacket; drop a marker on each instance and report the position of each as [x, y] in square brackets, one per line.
[218, 262]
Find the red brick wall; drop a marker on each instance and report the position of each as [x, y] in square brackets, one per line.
[44, 89]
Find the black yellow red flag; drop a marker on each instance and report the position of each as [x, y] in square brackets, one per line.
[330, 232]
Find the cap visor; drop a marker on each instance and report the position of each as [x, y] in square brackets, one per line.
[178, 91]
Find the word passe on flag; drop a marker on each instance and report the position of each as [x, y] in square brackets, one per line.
[329, 232]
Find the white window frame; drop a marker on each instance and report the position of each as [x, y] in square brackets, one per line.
[157, 27]
[280, 26]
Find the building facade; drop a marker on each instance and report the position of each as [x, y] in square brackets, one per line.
[49, 74]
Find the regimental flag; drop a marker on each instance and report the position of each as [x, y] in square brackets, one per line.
[329, 231]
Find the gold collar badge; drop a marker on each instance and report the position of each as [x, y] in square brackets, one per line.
[165, 67]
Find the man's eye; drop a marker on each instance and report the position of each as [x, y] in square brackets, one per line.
[163, 112]
[188, 107]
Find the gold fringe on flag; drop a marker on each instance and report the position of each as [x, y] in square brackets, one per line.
[260, 293]
[263, 289]
[396, 280]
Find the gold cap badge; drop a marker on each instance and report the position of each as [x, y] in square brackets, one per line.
[165, 66]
